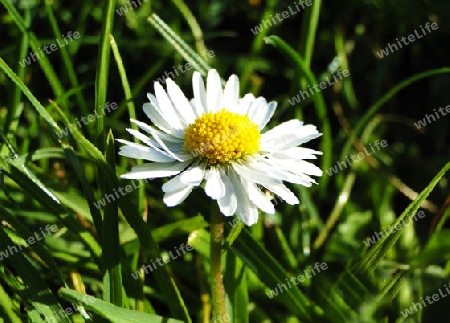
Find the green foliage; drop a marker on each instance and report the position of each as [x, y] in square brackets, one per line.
[54, 169]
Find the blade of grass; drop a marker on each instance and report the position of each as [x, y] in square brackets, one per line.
[162, 276]
[36, 291]
[179, 44]
[310, 21]
[193, 24]
[235, 281]
[112, 279]
[319, 102]
[40, 109]
[68, 64]
[38, 191]
[377, 106]
[12, 118]
[256, 46]
[379, 251]
[43, 61]
[113, 313]
[6, 307]
[125, 85]
[101, 77]
[270, 272]
[37, 247]
[137, 89]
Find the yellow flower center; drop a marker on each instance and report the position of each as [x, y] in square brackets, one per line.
[222, 136]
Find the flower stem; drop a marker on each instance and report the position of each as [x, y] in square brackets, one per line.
[217, 287]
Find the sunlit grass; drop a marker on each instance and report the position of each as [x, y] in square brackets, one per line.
[57, 162]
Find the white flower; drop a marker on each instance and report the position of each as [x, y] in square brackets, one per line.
[215, 138]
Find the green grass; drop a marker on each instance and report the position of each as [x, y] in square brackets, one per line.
[48, 178]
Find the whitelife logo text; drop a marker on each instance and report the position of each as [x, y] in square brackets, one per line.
[334, 169]
[429, 118]
[318, 267]
[30, 240]
[207, 54]
[285, 14]
[132, 4]
[390, 229]
[393, 47]
[108, 198]
[322, 85]
[164, 260]
[49, 49]
[436, 297]
[90, 118]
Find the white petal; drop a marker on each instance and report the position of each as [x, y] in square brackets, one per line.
[180, 103]
[244, 104]
[155, 170]
[156, 143]
[148, 141]
[228, 202]
[264, 114]
[176, 191]
[164, 136]
[153, 114]
[175, 184]
[214, 92]
[257, 197]
[297, 153]
[174, 144]
[249, 215]
[245, 210]
[167, 110]
[194, 175]
[284, 171]
[256, 108]
[231, 94]
[256, 173]
[178, 132]
[285, 128]
[194, 108]
[299, 166]
[134, 150]
[289, 135]
[178, 194]
[164, 146]
[282, 191]
[198, 87]
[214, 187]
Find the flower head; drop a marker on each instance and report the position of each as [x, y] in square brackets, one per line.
[216, 138]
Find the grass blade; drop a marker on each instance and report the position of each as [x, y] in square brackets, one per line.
[101, 77]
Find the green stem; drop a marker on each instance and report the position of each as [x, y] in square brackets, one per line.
[217, 287]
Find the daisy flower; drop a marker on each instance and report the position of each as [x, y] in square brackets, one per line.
[216, 139]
